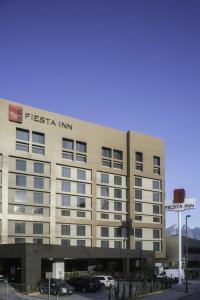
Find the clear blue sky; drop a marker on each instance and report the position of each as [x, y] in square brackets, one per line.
[124, 64]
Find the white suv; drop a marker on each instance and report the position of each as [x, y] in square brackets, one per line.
[105, 280]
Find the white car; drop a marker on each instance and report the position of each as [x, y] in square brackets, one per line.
[105, 280]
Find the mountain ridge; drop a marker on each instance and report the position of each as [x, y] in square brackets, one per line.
[193, 233]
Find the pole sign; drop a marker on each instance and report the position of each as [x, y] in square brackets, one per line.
[188, 203]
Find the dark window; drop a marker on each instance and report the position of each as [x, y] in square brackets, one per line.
[156, 184]
[117, 193]
[81, 243]
[138, 181]
[139, 156]
[38, 182]
[80, 214]
[38, 150]
[138, 194]
[20, 165]
[156, 219]
[117, 165]
[156, 170]
[106, 152]
[106, 163]
[139, 167]
[81, 158]
[65, 200]
[138, 232]
[156, 161]
[105, 204]
[104, 191]
[65, 242]
[37, 241]
[65, 213]
[156, 209]
[81, 147]
[105, 231]
[156, 196]
[37, 228]
[105, 216]
[156, 246]
[104, 244]
[138, 206]
[38, 197]
[117, 232]
[67, 155]
[80, 230]
[81, 188]
[138, 245]
[81, 202]
[156, 233]
[19, 209]
[20, 240]
[117, 180]
[20, 180]
[22, 134]
[118, 217]
[22, 147]
[117, 206]
[117, 154]
[38, 210]
[38, 137]
[104, 178]
[20, 227]
[68, 144]
[138, 218]
[38, 167]
[81, 174]
[117, 244]
[65, 229]
[66, 186]
[66, 172]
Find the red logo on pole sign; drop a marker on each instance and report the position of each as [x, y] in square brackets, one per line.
[15, 113]
[179, 196]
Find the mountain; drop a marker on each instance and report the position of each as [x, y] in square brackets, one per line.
[193, 233]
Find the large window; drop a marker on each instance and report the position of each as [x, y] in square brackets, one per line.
[138, 181]
[38, 210]
[66, 172]
[138, 232]
[104, 191]
[81, 147]
[118, 193]
[20, 227]
[80, 230]
[138, 207]
[81, 174]
[68, 144]
[156, 233]
[38, 197]
[156, 184]
[117, 154]
[19, 209]
[37, 228]
[38, 137]
[38, 182]
[104, 244]
[38, 149]
[138, 245]
[106, 152]
[156, 246]
[81, 243]
[20, 165]
[22, 147]
[156, 165]
[156, 209]
[117, 180]
[65, 200]
[156, 196]
[22, 134]
[66, 186]
[65, 229]
[81, 202]
[104, 178]
[21, 180]
[105, 231]
[81, 188]
[105, 204]
[20, 196]
[117, 206]
[118, 232]
[138, 194]
[38, 167]
[139, 156]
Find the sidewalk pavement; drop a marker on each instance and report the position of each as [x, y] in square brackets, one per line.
[176, 292]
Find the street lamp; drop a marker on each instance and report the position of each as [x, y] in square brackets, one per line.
[186, 256]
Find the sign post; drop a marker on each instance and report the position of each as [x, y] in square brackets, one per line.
[180, 203]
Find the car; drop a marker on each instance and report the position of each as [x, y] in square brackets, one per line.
[105, 280]
[57, 287]
[3, 279]
[85, 284]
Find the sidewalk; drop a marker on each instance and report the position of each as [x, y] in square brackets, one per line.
[176, 292]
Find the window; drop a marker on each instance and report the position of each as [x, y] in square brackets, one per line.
[38, 210]
[80, 214]
[65, 229]
[38, 167]
[22, 134]
[66, 172]
[20, 196]
[104, 178]
[20, 165]
[156, 170]
[138, 218]
[20, 227]
[104, 244]
[138, 207]
[117, 232]
[81, 174]
[117, 193]
[156, 246]
[37, 228]
[65, 213]
[138, 245]
[37, 137]
[139, 156]
[22, 147]
[156, 161]
[68, 144]
[105, 204]
[65, 200]
[106, 152]
[117, 180]
[156, 196]
[20, 240]
[117, 206]
[156, 219]
[65, 242]
[118, 217]
[139, 167]
[80, 230]
[106, 163]
[81, 202]
[156, 233]
[81, 158]
[138, 181]
[81, 147]
[117, 165]
[156, 184]
[156, 209]
[105, 216]
[37, 241]
[138, 232]
[105, 231]
[20, 180]
[81, 243]
[117, 154]
[67, 155]
[81, 188]
[38, 150]
[117, 244]
[19, 209]
[38, 197]
[104, 191]
[138, 194]
[38, 182]
[66, 186]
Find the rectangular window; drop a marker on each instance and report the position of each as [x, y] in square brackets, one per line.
[156, 170]
[156, 196]
[38, 137]
[81, 188]
[117, 165]
[20, 180]
[156, 209]
[80, 230]
[20, 240]
[156, 220]
[138, 232]
[22, 134]
[22, 147]
[104, 191]
[81, 243]
[19, 209]
[38, 167]
[117, 154]
[106, 152]
[65, 200]
[38, 150]
[37, 228]
[117, 180]
[105, 216]
[118, 244]
[156, 233]
[105, 204]
[118, 217]
[65, 229]
[117, 206]
[138, 207]
[106, 163]
[65, 186]
[66, 172]
[38, 182]
[81, 158]
[68, 144]
[104, 178]
[67, 155]
[156, 246]
[138, 181]
[38, 211]
[38, 197]
[117, 193]
[105, 231]
[117, 232]
[139, 156]
[20, 227]
[80, 214]
[138, 245]
[20, 196]
[37, 241]
[20, 165]
[156, 184]
[138, 218]
[104, 244]
[81, 174]
[156, 161]
[65, 213]
[81, 147]
[81, 202]
[139, 167]
[65, 242]
[138, 194]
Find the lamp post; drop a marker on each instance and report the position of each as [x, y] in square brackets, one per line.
[186, 256]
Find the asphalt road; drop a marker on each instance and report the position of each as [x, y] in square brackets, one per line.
[195, 296]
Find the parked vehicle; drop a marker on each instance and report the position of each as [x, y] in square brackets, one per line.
[57, 287]
[85, 284]
[171, 273]
[105, 280]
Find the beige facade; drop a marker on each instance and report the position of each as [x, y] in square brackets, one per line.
[66, 181]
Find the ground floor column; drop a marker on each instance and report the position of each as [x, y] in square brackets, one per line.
[126, 267]
[58, 268]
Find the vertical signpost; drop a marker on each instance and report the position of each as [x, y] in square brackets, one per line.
[180, 203]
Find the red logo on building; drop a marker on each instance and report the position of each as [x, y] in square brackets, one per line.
[179, 196]
[15, 113]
